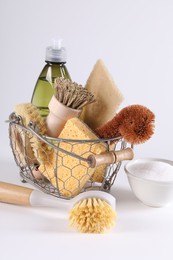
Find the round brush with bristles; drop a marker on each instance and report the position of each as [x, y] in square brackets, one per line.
[135, 123]
[88, 212]
[72, 94]
[67, 102]
[92, 215]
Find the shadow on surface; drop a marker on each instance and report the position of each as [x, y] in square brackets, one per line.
[126, 200]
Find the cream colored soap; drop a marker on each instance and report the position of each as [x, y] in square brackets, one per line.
[108, 97]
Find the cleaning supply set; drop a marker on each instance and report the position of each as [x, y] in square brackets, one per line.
[74, 151]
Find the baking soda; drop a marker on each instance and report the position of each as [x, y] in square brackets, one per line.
[153, 170]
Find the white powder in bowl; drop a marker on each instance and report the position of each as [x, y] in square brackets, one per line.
[152, 170]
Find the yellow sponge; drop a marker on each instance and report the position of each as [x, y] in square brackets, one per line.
[108, 97]
[70, 174]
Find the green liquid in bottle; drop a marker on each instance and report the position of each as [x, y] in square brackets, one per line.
[42, 96]
[44, 88]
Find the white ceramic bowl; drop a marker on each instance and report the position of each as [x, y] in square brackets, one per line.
[151, 180]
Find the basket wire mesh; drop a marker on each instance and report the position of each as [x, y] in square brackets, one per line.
[63, 163]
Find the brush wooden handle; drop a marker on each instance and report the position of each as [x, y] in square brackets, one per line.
[58, 116]
[14, 194]
[110, 157]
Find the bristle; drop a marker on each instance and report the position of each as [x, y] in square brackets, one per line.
[92, 215]
[30, 113]
[138, 124]
[134, 123]
[72, 94]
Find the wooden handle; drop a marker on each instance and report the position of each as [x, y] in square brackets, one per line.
[14, 194]
[124, 154]
[110, 157]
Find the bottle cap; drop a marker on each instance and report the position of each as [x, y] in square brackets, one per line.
[55, 52]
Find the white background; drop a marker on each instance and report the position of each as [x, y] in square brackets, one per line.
[135, 40]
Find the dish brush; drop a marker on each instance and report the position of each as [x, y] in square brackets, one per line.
[88, 212]
[30, 113]
[71, 94]
[67, 102]
[135, 123]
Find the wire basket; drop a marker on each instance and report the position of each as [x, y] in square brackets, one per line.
[61, 167]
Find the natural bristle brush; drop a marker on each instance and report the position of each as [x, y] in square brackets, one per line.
[94, 214]
[135, 123]
[88, 212]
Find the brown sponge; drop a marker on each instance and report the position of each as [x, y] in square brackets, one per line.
[107, 94]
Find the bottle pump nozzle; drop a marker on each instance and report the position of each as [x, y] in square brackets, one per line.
[55, 52]
[56, 43]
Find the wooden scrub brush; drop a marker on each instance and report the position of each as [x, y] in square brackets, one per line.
[71, 94]
[29, 149]
[30, 113]
[89, 212]
[67, 102]
[135, 123]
